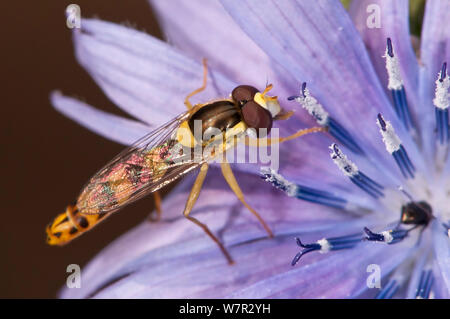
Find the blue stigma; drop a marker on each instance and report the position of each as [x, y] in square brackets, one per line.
[303, 89]
[303, 192]
[425, 283]
[388, 291]
[327, 244]
[443, 72]
[389, 48]
[396, 235]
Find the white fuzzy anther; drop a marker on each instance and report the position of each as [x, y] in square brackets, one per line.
[314, 108]
[390, 139]
[279, 181]
[442, 97]
[387, 237]
[325, 246]
[395, 81]
[340, 159]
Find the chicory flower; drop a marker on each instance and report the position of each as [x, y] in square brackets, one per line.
[388, 123]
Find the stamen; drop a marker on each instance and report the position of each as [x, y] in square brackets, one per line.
[389, 237]
[441, 102]
[425, 283]
[327, 244]
[309, 103]
[389, 290]
[395, 148]
[447, 229]
[395, 84]
[316, 110]
[302, 192]
[351, 170]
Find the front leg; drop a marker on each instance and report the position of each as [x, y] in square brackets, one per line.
[269, 141]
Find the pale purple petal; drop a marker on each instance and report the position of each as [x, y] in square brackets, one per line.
[317, 42]
[113, 127]
[394, 24]
[204, 29]
[342, 275]
[262, 270]
[144, 76]
[440, 288]
[418, 267]
[441, 242]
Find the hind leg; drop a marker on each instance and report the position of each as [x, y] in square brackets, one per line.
[231, 180]
[157, 198]
[195, 191]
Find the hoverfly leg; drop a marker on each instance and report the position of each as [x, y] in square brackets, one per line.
[283, 115]
[200, 89]
[195, 191]
[269, 141]
[158, 210]
[231, 180]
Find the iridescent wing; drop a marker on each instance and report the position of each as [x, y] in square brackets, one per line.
[154, 161]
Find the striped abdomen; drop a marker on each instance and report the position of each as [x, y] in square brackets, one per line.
[71, 224]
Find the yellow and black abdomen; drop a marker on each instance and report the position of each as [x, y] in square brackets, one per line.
[71, 224]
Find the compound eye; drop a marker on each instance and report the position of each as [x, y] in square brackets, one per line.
[243, 93]
[257, 117]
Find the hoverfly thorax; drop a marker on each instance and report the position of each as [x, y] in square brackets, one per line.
[214, 118]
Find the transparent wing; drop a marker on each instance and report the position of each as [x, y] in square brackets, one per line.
[154, 161]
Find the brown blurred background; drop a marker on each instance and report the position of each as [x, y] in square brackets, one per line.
[45, 157]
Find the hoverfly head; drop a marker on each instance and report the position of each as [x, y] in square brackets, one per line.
[258, 109]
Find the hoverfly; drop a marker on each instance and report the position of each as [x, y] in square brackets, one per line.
[156, 160]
